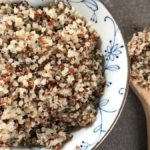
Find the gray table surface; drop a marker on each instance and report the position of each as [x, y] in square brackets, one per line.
[130, 131]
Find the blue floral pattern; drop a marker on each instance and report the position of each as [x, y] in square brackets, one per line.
[108, 83]
[122, 91]
[98, 130]
[113, 49]
[91, 4]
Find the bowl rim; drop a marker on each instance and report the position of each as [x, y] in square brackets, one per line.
[127, 86]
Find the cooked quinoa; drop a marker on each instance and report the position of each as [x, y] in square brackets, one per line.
[50, 74]
[139, 50]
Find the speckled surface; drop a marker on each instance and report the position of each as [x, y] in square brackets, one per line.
[130, 131]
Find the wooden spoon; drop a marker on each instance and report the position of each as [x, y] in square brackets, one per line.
[144, 96]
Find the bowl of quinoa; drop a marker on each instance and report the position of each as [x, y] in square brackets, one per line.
[53, 72]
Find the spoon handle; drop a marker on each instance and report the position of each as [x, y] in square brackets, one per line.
[144, 97]
[147, 113]
[146, 106]
[148, 130]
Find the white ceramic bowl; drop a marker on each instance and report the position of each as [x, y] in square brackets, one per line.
[116, 71]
